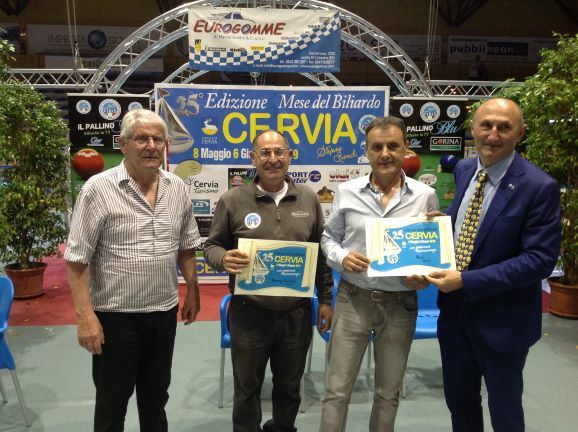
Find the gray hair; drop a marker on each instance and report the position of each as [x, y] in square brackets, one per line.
[142, 116]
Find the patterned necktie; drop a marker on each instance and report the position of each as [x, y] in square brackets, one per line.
[465, 245]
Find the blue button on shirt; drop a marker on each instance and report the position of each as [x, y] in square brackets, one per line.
[354, 203]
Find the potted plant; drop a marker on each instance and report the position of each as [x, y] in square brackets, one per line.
[549, 100]
[33, 180]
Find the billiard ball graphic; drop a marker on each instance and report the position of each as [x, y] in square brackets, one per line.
[411, 163]
[87, 162]
[448, 163]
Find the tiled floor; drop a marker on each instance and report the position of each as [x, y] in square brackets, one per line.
[55, 377]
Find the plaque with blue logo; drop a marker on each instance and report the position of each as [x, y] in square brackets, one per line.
[277, 268]
[408, 246]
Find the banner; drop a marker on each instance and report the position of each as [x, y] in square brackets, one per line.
[436, 134]
[211, 130]
[497, 49]
[94, 122]
[264, 40]
[92, 40]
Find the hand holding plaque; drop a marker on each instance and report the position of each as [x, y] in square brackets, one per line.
[406, 246]
[277, 268]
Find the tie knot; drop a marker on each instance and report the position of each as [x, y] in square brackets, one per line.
[482, 176]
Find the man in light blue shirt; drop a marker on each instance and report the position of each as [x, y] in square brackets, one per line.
[490, 307]
[385, 305]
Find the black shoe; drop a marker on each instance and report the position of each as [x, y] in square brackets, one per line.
[269, 426]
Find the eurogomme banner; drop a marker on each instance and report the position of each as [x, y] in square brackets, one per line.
[264, 40]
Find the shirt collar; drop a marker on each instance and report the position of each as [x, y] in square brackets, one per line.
[291, 189]
[122, 174]
[405, 188]
[498, 170]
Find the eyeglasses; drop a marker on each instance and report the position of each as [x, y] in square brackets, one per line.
[279, 153]
[142, 140]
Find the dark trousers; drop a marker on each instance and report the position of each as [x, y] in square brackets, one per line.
[259, 335]
[138, 352]
[466, 358]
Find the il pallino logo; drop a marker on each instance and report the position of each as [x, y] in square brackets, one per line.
[109, 109]
[83, 106]
[430, 112]
[453, 111]
[406, 110]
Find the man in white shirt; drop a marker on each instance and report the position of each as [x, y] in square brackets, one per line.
[130, 226]
[386, 306]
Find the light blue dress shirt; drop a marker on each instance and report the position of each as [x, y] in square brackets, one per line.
[354, 203]
[496, 172]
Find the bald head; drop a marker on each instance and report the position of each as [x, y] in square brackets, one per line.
[501, 105]
[497, 127]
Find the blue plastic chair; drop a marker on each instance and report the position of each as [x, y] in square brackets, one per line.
[226, 344]
[426, 326]
[427, 316]
[6, 359]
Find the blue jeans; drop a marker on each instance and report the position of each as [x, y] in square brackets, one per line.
[138, 353]
[259, 335]
[358, 312]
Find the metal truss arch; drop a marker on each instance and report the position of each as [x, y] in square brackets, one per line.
[172, 25]
[43, 79]
[474, 90]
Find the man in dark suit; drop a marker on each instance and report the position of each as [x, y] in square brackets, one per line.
[491, 308]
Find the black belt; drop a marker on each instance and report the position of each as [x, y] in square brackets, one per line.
[376, 295]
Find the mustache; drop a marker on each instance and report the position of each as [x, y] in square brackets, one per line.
[270, 165]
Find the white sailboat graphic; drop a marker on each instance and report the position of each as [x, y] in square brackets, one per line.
[180, 139]
[391, 249]
[260, 269]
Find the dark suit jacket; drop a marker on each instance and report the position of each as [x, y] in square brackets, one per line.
[517, 246]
